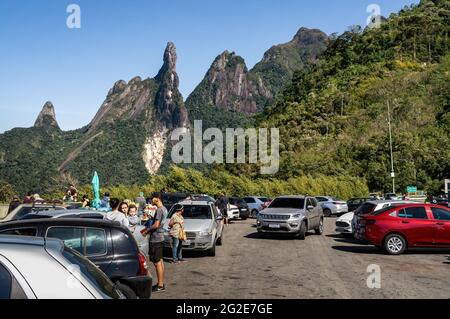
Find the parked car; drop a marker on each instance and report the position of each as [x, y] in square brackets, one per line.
[39, 268]
[107, 244]
[354, 203]
[292, 215]
[441, 201]
[255, 204]
[242, 206]
[24, 209]
[332, 206]
[233, 212]
[347, 223]
[141, 240]
[203, 224]
[398, 228]
[392, 196]
[170, 199]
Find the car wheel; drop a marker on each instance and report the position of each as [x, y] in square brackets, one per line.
[319, 229]
[127, 291]
[395, 244]
[220, 240]
[327, 212]
[254, 213]
[302, 233]
[212, 251]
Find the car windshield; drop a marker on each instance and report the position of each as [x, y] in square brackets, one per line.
[88, 269]
[365, 209]
[196, 212]
[298, 203]
[336, 199]
[237, 201]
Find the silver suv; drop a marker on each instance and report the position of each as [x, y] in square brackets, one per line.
[203, 224]
[294, 215]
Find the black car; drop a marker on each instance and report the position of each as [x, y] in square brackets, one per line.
[170, 199]
[244, 211]
[107, 244]
[354, 203]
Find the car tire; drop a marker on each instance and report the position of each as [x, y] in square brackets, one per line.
[302, 233]
[327, 212]
[220, 240]
[254, 213]
[212, 251]
[319, 229]
[394, 244]
[127, 291]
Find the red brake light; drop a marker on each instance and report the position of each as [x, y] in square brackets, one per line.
[143, 269]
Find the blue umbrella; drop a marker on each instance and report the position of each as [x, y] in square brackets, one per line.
[96, 189]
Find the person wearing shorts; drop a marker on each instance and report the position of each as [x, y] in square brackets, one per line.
[156, 246]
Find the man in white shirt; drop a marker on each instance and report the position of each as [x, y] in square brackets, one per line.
[115, 215]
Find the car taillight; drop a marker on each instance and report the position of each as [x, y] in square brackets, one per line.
[143, 269]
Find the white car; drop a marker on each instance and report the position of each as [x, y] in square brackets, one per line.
[233, 212]
[38, 268]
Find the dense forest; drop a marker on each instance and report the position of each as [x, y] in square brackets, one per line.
[333, 120]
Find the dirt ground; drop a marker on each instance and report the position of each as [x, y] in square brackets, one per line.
[328, 266]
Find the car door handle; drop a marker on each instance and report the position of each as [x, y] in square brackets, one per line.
[441, 224]
[405, 222]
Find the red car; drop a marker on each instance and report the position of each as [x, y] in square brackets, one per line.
[396, 229]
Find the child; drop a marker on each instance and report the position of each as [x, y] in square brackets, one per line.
[149, 214]
[133, 218]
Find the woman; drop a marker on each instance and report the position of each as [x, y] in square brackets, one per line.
[176, 225]
[123, 208]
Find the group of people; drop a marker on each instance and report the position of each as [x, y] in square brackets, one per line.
[29, 198]
[153, 214]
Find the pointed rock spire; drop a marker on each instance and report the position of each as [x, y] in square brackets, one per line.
[169, 102]
[47, 117]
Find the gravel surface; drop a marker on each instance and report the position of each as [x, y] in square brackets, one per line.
[249, 266]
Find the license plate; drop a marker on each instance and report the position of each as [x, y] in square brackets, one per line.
[274, 226]
[186, 243]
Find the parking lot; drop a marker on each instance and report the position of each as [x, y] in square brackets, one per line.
[327, 266]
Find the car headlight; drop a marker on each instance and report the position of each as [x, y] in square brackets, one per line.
[205, 233]
[295, 216]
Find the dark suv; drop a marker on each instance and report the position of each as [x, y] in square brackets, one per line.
[107, 244]
[244, 211]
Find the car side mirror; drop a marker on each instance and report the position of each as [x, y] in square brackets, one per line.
[310, 207]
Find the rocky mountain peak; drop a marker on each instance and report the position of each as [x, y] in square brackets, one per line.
[307, 36]
[47, 117]
[169, 102]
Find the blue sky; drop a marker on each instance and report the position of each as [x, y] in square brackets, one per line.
[41, 59]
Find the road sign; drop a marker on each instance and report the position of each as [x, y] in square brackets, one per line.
[411, 189]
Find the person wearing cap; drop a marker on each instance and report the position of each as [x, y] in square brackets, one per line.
[14, 203]
[176, 225]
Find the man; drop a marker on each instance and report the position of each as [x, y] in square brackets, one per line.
[14, 203]
[157, 243]
[115, 215]
[222, 205]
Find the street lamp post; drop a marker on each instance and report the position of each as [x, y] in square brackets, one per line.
[390, 145]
